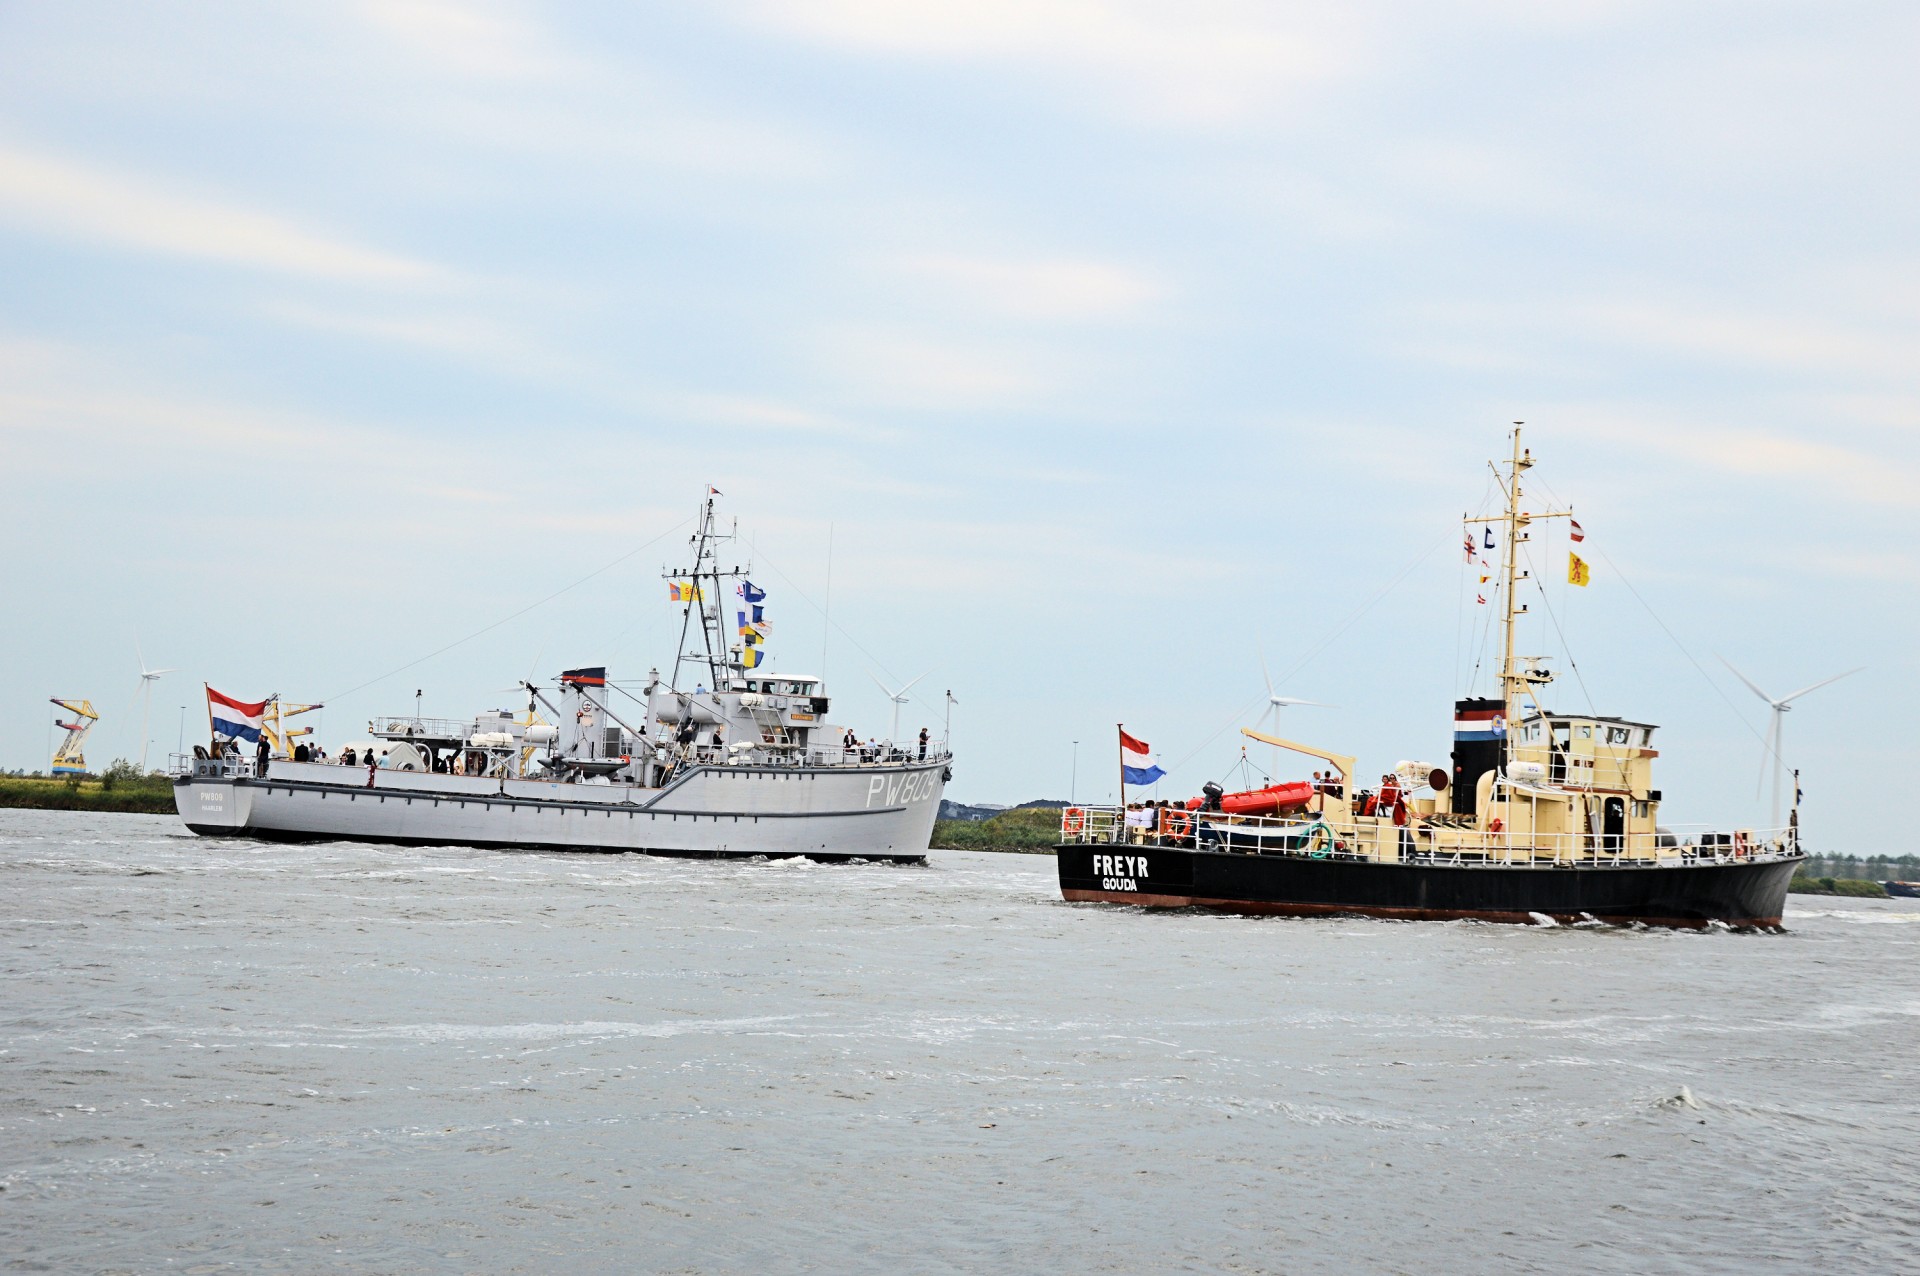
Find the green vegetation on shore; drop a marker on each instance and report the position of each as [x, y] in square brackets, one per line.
[121, 788]
[1805, 885]
[1027, 830]
[1872, 868]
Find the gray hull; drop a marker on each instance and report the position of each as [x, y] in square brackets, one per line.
[881, 812]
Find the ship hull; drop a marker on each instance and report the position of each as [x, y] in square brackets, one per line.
[713, 812]
[1739, 894]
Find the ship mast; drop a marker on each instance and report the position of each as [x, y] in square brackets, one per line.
[706, 568]
[1516, 683]
[1512, 683]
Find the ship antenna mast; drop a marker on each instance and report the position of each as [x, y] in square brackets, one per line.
[1516, 684]
[706, 567]
[697, 600]
[1510, 678]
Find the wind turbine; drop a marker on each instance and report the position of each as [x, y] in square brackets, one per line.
[1780, 706]
[899, 698]
[147, 678]
[1275, 703]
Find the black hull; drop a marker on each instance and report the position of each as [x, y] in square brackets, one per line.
[1740, 894]
[278, 835]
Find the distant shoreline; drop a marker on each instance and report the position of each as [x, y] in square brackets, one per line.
[112, 794]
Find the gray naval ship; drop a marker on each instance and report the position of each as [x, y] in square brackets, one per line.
[742, 763]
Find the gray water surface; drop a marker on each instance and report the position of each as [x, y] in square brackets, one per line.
[224, 1056]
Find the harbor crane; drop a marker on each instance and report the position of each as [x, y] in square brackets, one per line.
[70, 758]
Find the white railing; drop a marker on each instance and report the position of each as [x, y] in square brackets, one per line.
[1419, 842]
[230, 767]
[437, 728]
[877, 755]
[773, 755]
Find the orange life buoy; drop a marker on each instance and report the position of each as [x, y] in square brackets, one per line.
[1179, 823]
[1074, 821]
[1742, 846]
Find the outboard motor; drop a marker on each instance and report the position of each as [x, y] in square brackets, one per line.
[1212, 793]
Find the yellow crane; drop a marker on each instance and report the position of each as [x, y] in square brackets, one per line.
[279, 735]
[69, 759]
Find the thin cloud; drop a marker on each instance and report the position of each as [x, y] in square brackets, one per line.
[72, 200]
[777, 416]
[1758, 453]
[461, 336]
[1204, 62]
[895, 369]
[1034, 288]
[1755, 338]
[489, 41]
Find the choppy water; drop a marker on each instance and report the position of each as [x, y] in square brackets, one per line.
[227, 1056]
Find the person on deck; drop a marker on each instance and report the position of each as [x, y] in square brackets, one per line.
[261, 753]
[923, 744]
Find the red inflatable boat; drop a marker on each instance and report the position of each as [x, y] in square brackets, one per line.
[1270, 800]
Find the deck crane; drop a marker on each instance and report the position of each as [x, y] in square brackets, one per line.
[69, 759]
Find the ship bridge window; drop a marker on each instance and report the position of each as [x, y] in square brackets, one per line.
[1586, 732]
[1617, 735]
[1646, 738]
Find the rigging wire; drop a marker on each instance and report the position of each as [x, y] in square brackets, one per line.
[1462, 625]
[1566, 648]
[1671, 636]
[1602, 554]
[1326, 642]
[827, 620]
[516, 615]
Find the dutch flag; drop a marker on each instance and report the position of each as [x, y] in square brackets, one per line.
[235, 719]
[1134, 762]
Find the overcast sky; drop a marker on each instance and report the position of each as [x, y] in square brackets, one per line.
[1120, 344]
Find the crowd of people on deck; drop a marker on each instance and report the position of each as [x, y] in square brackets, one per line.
[1163, 822]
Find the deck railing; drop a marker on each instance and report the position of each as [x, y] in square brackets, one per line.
[1320, 837]
[434, 728]
[215, 768]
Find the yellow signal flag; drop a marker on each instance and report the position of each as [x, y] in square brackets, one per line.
[1577, 570]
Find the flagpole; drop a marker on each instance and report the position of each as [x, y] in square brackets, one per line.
[1121, 727]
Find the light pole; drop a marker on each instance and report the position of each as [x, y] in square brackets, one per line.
[1073, 787]
[180, 744]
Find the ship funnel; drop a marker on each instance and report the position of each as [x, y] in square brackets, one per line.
[1479, 735]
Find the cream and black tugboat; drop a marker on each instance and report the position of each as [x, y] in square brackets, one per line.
[1542, 815]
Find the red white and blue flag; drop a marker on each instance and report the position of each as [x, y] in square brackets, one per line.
[235, 719]
[1134, 760]
[1479, 724]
